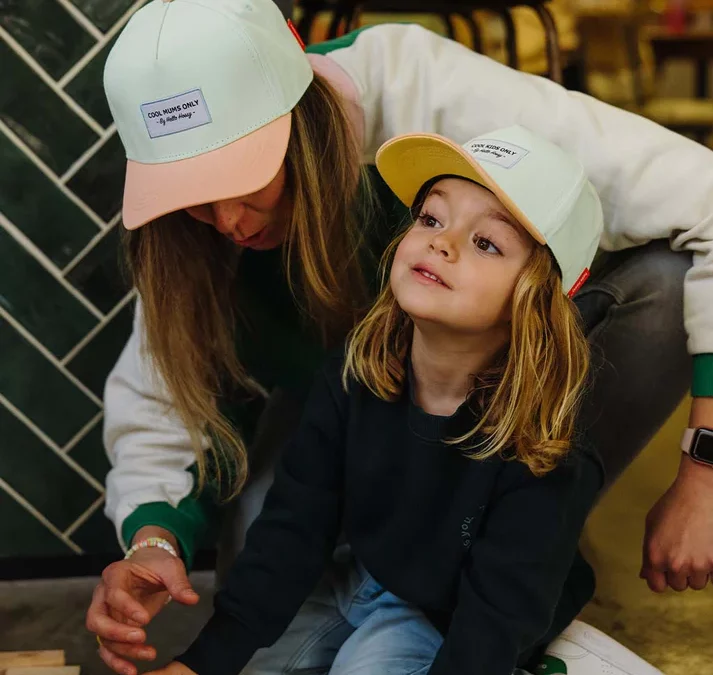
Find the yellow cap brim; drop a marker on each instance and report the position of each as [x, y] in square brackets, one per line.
[407, 162]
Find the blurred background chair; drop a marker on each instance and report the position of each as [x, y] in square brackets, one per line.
[346, 15]
[629, 47]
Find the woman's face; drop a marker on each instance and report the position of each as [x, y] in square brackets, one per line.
[458, 264]
[258, 220]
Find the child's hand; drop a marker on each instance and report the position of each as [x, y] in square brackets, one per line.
[173, 668]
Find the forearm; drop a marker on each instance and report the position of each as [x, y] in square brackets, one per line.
[701, 414]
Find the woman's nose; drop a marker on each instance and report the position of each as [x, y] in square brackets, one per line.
[227, 216]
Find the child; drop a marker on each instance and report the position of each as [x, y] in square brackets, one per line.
[442, 443]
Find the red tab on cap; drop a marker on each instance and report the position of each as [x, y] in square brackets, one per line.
[291, 26]
[579, 283]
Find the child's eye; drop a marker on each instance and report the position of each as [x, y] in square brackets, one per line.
[486, 245]
[428, 220]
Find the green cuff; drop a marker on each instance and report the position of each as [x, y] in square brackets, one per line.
[341, 42]
[187, 522]
[702, 375]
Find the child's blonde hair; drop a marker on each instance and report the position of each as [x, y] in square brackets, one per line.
[528, 397]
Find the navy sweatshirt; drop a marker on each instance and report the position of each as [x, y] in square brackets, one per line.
[482, 547]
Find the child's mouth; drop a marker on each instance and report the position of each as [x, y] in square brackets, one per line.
[430, 276]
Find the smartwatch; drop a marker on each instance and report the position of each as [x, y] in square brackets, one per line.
[698, 443]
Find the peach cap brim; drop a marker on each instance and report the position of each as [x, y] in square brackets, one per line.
[234, 170]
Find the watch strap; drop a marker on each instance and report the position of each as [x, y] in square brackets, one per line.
[687, 440]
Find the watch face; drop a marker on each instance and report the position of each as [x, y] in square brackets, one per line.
[702, 448]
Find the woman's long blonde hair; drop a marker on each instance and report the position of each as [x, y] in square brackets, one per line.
[185, 272]
[527, 400]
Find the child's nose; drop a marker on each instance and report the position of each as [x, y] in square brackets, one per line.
[443, 244]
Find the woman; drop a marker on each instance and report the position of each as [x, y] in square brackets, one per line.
[209, 99]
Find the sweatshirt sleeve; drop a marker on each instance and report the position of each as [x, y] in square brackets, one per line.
[287, 547]
[653, 183]
[517, 567]
[151, 481]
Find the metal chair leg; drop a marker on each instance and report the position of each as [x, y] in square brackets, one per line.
[309, 14]
[340, 11]
[554, 57]
[354, 20]
[474, 31]
[511, 38]
[450, 26]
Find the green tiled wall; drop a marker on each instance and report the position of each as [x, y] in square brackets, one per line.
[65, 306]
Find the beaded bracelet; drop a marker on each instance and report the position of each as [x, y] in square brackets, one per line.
[152, 542]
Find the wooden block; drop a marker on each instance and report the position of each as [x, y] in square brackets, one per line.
[23, 659]
[43, 670]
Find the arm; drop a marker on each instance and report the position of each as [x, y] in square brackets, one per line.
[517, 567]
[678, 546]
[150, 482]
[288, 545]
[149, 494]
[152, 479]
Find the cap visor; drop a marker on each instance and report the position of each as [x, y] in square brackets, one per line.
[407, 162]
[239, 168]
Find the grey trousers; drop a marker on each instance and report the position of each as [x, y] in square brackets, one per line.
[632, 308]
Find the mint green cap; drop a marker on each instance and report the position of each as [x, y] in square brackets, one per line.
[201, 92]
[544, 187]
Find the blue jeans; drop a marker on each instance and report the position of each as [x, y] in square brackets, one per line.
[350, 625]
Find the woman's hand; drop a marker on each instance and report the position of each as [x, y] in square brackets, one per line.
[173, 668]
[129, 595]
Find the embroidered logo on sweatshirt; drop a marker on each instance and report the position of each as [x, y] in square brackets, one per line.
[465, 535]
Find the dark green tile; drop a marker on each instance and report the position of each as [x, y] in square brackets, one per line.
[100, 182]
[48, 33]
[34, 204]
[90, 453]
[87, 87]
[35, 298]
[100, 275]
[58, 492]
[93, 363]
[33, 385]
[103, 13]
[97, 535]
[38, 116]
[21, 534]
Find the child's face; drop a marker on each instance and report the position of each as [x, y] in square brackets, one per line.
[467, 239]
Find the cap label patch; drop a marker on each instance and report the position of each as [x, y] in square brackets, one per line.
[175, 114]
[497, 152]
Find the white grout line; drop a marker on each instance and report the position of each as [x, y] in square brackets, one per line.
[69, 445]
[84, 517]
[48, 355]
[51, 444]
[41, 258]
[18, 143]
[70, 102]
[82, 20]
[87, 155]
[92, 333]
[30, 424]
[90, 245]
[98, 46]
[28, 507]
